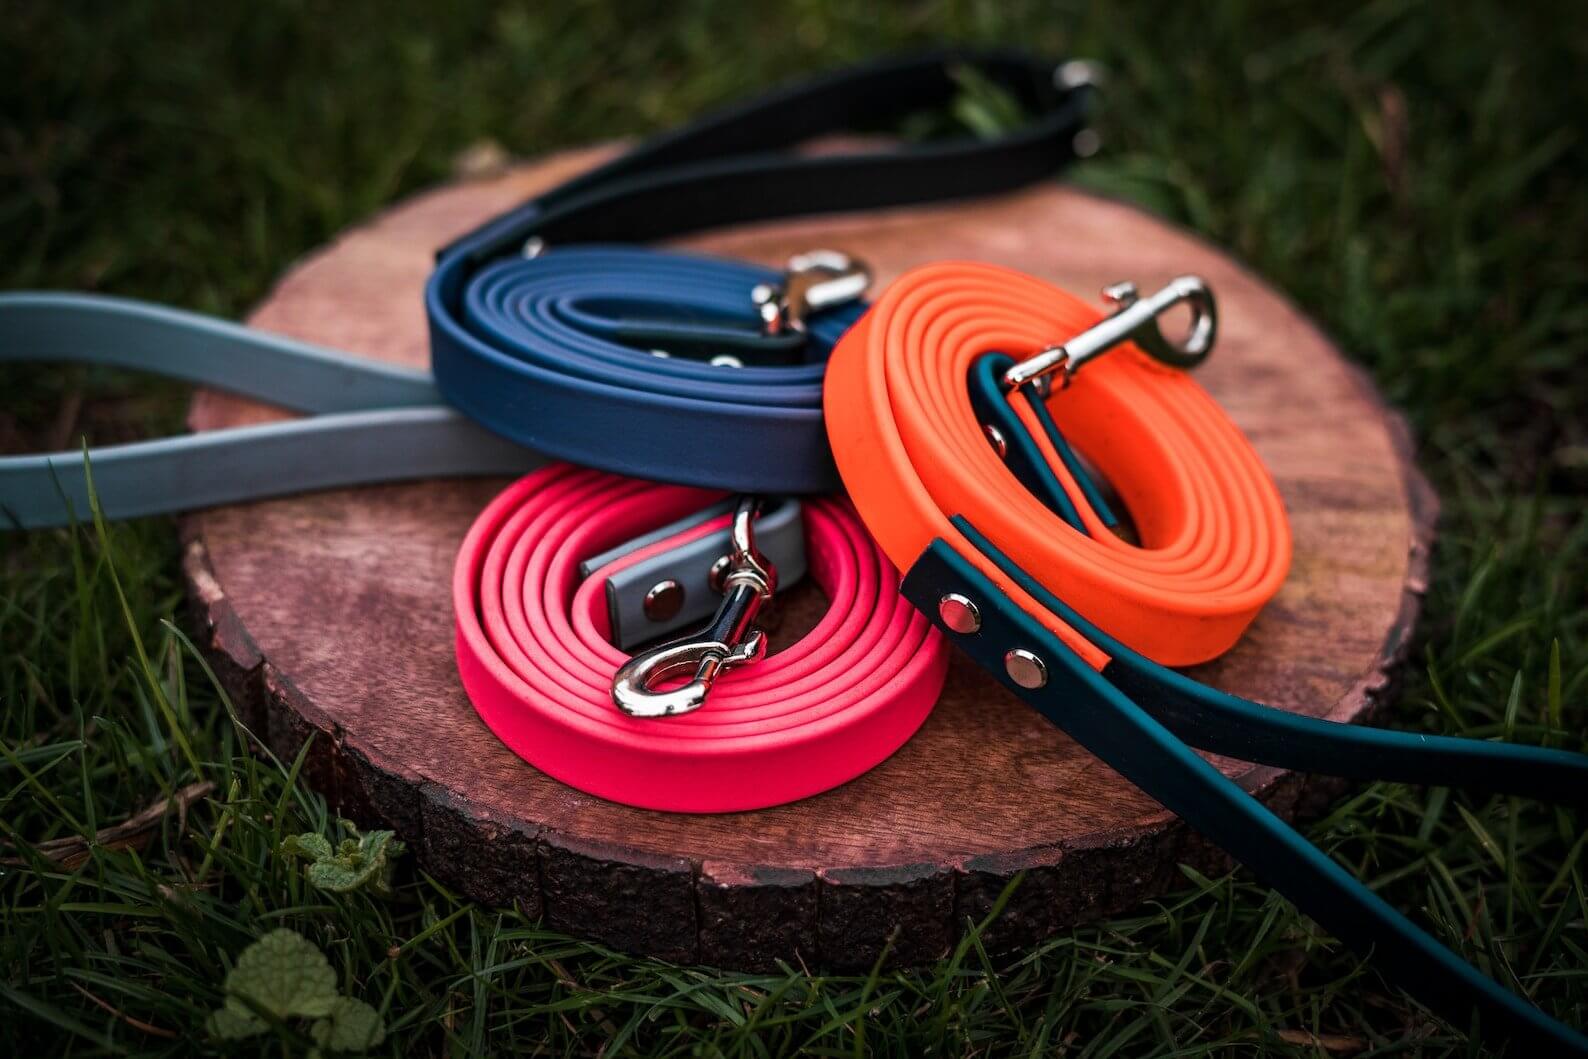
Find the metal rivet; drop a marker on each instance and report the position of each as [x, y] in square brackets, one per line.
[959, 613]
[718, 574]
[1086, 143]
[664, 600]
[726, 360]
[996, 437]
[1025, 668]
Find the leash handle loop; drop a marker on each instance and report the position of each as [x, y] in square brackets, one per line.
[737, 165]
[368, 421]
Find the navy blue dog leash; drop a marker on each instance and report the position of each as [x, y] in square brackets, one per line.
[669, 366]
[502, 354]
[582, 353]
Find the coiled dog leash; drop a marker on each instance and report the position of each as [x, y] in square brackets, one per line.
[555, 354]
[529, 367]
[534, 654]
[1081, 625]
[562, 358]
[373, 422]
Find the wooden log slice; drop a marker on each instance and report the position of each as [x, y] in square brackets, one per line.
[329, 615]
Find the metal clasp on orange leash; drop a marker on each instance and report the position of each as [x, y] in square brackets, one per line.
[730, 640]
[812, 281]
[1135, 320]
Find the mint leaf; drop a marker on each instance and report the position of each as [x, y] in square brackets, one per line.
[353, 1026]
[282, 973]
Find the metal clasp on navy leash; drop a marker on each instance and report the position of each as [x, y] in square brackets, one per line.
[1135, 319]
[812, 281]
[732, 639]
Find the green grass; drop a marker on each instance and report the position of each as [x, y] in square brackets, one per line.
[1412, 177]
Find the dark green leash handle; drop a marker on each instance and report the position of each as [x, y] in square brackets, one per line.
[1143, 720]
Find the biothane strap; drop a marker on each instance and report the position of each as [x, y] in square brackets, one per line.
[599, 395]
[558, 353]
[685, 571]
[535, 656]
[1081, 625]
[517, 353]
[740, 165]
[368, 421]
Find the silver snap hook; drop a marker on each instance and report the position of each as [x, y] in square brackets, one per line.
[812, 281]
[1134, 320]
[730, 640]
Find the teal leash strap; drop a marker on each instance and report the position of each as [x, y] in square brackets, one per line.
[1226, 724]
[366, 422]
[1145, 730]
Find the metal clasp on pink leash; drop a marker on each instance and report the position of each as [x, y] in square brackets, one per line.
[730, 640]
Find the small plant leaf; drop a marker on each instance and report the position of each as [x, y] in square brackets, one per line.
[353, 864]
[353, 1026]
[310, 844]
[282, 973]
[233, 1022]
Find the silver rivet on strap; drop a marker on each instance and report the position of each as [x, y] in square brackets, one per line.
[959, 613]
[995, 437]
[664, 600]
[1025, 668]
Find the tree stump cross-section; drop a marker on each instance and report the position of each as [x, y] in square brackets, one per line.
[329, 615]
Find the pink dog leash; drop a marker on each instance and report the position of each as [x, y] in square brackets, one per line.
[534, 656]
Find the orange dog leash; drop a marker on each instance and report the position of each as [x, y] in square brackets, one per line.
[952, 423]
[1216, 543]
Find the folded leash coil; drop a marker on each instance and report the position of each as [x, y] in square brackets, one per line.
[1014, 560]
[534, 654]
[556, 354]
[527, 366]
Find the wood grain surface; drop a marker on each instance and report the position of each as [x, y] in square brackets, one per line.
[329, 615]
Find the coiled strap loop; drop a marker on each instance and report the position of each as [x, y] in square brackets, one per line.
[1080, 624]
[534, 656]
[753, 427]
